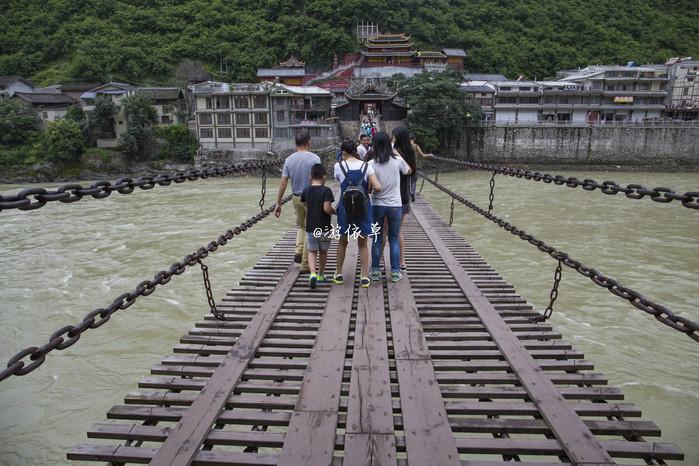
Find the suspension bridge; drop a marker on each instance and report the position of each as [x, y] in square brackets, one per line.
[449, 366]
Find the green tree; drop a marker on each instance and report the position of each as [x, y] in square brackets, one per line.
[140, 116]
[75, 113]
[18, 123]
[63, 142]
[437, 111]
[176, 143]
[100, 122]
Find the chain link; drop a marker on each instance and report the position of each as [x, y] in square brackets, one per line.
[636, 299]
[34, 198]
[30, 358]
[263, 190]
[491, 197]
[209, 294]
[632, 191]
[552, 296]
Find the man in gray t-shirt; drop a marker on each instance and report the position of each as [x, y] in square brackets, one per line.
[297, 166]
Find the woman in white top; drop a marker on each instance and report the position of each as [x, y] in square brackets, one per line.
[386, 205]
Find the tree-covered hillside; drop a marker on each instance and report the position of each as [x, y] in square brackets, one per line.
[143, 40]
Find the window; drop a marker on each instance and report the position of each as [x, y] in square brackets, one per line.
[282, 133]
[205, 133]
[690, 79]
[281, 115]
[685, 91]
[507, 100]
[242, 118]
[223, 102]
[241, 101]
[205, 119]
[261, 133]
[261, 119]
[223, 118]
[209, 103]
[505, 88]
[260, 101]
[643, 87]
[242, 133]
[528, 100]
[165, 120]
[224, 133]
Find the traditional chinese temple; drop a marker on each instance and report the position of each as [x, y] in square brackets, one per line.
[361, 98]
[291, 72]
[391, 49]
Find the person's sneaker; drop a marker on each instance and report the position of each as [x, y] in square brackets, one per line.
[395, 276]
[337, 279]
[312, 281]
[365, 282]
[375, 275]
[297, 258]
[321, 278]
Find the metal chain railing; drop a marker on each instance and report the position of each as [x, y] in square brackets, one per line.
[636, 299]
[34, 198]
[553, 296]
[209, 294]
[451, 213]
[32, 357]
[263, 190]
[689, 199]
[491, 196]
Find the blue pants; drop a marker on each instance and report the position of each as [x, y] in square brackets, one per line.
[393, 215]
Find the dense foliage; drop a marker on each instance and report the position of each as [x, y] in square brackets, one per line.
[177, 143]
[63, 142]
[138, 138]
[58, 40]
[438, 114]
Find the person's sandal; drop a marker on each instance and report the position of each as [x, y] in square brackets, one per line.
[365, 282]
[337, 279]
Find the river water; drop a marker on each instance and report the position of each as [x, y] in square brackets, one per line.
[63, 260]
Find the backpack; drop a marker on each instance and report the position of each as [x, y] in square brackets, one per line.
[354, 199]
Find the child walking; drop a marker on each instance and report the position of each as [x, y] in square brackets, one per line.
[318, 199]
[354, 209]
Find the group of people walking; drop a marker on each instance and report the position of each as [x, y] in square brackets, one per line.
[375, 193]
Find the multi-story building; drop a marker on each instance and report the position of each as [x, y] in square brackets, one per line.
[683, 101]
[389, 49]
[49, 106]
[261, 116]
[517, 101]
[481, 94]
[622, 93]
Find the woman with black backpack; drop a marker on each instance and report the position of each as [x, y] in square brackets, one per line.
[354, 214]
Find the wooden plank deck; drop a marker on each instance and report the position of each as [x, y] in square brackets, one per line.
[442, 367]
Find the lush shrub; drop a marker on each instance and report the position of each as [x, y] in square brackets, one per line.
[63, 142]
[176, 143]
[18, 123]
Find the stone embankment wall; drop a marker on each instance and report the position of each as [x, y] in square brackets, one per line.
[594, 145]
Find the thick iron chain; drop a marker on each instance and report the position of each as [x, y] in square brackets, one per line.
[30, 358]
[451, 213]
[263, 190]
[553, 296]
[637, 300]
[491, 196]
[34, 198]
[209, 294]
[632, 191]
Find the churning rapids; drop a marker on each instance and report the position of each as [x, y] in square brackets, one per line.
[63, 260]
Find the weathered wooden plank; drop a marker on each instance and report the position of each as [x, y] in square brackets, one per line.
[310, 438]
[370, 450]
[184, 442]
[420, 398]
[579, 444]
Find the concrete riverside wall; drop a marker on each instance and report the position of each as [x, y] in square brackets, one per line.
[582, 145]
